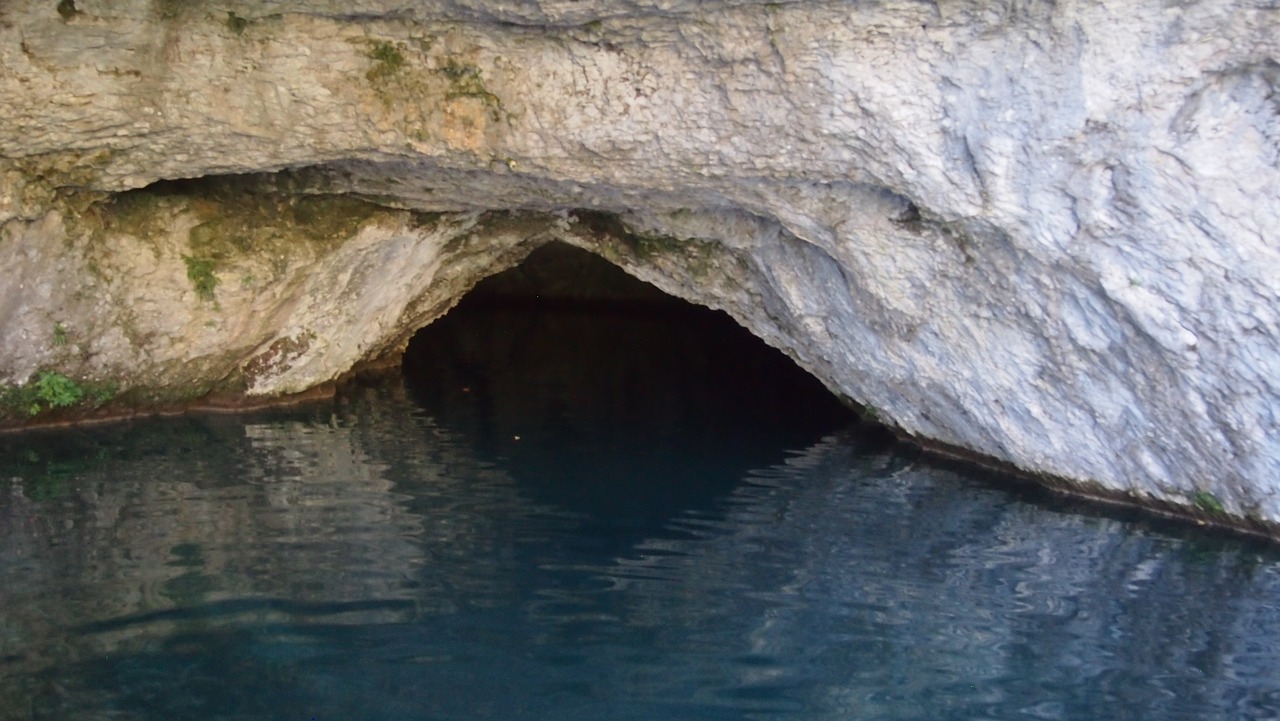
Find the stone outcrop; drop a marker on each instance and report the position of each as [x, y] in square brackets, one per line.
[1043, 232]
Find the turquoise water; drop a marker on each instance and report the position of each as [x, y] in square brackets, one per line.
[595, 515]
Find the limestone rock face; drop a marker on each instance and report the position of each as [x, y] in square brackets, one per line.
[1045, 232]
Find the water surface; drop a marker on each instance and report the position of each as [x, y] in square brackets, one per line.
[510, 532]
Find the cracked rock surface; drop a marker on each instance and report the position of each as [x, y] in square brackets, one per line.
[1043, 232]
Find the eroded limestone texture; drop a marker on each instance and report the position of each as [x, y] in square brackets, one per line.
[1041, 231]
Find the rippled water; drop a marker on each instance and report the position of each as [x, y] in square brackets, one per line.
[509, 533]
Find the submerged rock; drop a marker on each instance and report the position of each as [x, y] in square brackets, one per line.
[1044, 233]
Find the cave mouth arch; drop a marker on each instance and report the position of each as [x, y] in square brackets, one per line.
[568, 348]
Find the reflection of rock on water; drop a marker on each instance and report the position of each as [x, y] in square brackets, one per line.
[846, 579]
[282, 510]
[317, 517]
[328, 519]
[876, 586]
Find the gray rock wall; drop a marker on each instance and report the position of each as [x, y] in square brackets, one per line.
[1044, 232]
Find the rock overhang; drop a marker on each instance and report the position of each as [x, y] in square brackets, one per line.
[987, 222]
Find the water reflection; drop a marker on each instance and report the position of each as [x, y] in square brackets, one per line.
[401, 555]
[624, 416]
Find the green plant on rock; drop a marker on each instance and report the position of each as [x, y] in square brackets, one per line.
[200, 271]
[59, 334]
[100, 393]
[49, 390]
[1207, 502]
[55, 390]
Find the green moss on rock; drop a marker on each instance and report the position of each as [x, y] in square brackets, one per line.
[237, 216]
[466, 80]
[200, 271]
[1207, 502]
[388, 58]
[236, 24]
[619, 243]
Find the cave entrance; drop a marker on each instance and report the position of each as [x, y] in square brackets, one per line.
[583, 373]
